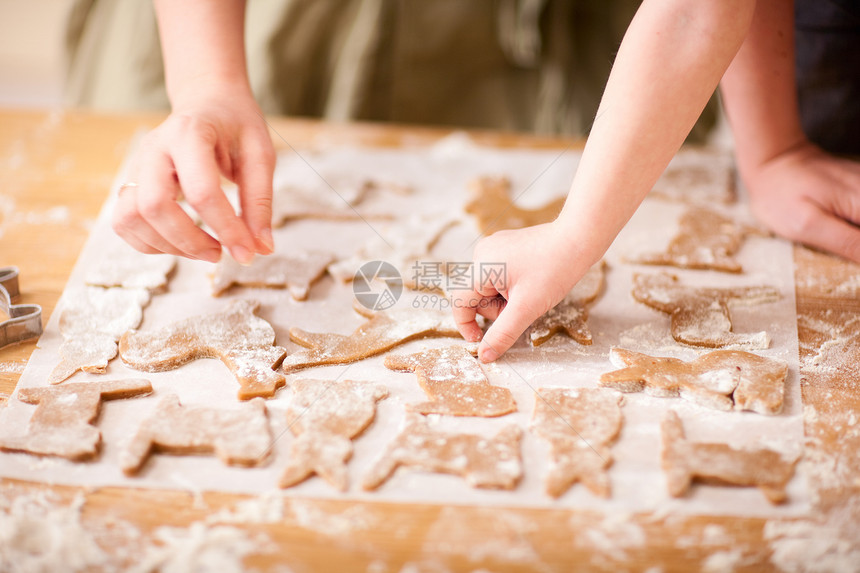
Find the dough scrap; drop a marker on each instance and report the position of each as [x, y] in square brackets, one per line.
[122, 266]
[698, 176]
[296, 272]
[403, 245]
[344, 203]
[325, 415]
[62, 424]
[494, 210]
[570, 314]
[384, 331]
[92, 321]
[685, 461]
[455, 382]
[239, 437]
[483, 462]
[580, 424]
[707, 240]
[722, 379]
[243, 341]
[700, 315]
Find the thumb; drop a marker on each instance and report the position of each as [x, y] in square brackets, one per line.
[512, 322]
[255, 191]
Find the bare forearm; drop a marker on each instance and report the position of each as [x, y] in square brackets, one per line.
[203, 45]
[759, 91]
[669, 64]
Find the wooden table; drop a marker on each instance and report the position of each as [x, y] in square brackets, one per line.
[55, 172]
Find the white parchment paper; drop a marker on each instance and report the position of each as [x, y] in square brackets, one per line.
[439, 176]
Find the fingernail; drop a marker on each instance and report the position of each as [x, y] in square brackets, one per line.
[265, 237]
[487, 354]
[476, 336]
[242, 255]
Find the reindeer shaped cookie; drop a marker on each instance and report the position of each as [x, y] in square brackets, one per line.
[706, 240]
[243, 341]
[483, 462]
[722, 379]
[92, 321]
[579, 424]
[296, 273]
[239, 437]
[685, 461]
[700, 315]
[384, 331]
[455, 382]
[494, 210]
[62, 424]
[570, 314]
[325, 415]
[294, 202]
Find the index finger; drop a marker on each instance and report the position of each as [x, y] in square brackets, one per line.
[199, 179]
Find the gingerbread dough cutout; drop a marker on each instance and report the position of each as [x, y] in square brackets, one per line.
[722, 379]
[455, 382]
[483, 462]
[92, 321]
[698, 176]
[243, 341]
[62, 424]
[384, 331]
[296, 272]
[700, 315]
[402, 245]
[239, 437]
[325, 416]
[494, 210]
[570, 315]
[580, 424]
[707, 241]
[127, 268]
[344, 202]
[684, 461]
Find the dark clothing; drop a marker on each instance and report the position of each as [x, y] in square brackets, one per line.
[827, 39]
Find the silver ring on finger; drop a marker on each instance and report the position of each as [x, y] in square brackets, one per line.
[126, 185]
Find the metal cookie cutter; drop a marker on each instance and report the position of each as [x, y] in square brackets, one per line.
[24, 320]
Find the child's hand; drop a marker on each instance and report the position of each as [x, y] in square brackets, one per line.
[540, 265]
[186, 155]
[810, 196]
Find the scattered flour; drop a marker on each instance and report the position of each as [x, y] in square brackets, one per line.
[615, 534]
[503, 536]
[200, 548]
[310, 515]
[810, 547]
[265, 508]
[39, 535]
[12, 367]
[723, 561]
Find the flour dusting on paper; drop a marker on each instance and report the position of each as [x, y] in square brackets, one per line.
[438, 178]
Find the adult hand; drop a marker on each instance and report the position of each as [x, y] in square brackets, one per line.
[204, 138]
[810, 196]
[538, 270]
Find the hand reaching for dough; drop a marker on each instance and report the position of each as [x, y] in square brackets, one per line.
[540, 266]
[209, 136]
[810, 196]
